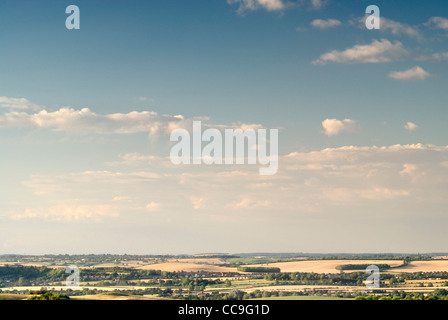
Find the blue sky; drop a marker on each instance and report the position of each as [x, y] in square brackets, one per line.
[281, 64]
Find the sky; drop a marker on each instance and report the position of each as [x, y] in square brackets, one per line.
[86, 117]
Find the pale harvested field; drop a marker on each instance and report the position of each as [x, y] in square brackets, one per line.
[302, 288]
[423, 266]
[200, 260]
[324, 266]
[187, 267]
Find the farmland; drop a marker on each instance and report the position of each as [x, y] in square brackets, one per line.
[199, 277]
[325, 266]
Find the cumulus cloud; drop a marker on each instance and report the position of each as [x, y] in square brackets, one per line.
[439, 23]
[85, 121]
[18, 103]
[415, 73]
[410, 126]
[392, 27]
[333, 127]
[376, 52]
[325, 24]
[270, 5]
[408, 169]
[438, 56]
[397, 28]
[274, 5]
[319, 4]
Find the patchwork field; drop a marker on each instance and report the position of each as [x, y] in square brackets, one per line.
[187, 267]
[324, 266]
[424, 266]
[316, 266]
[200, 260]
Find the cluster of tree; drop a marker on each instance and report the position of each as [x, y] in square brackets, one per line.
[136, 292]
[311, 278]
[440, 294]
[361, 267]
[423, 275]
[47, 295]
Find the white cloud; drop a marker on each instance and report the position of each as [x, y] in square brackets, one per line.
[270, 5]
[439, 22]
[318, 4]
[274, 5]
[325, 188]
[197, 202]
[85, 121]
[439, 56]
[408, 169]
[68, 213]
[376, 52]
[410, 126]
[121, 198]
[153, 206]
[18, 103]
[397, 28]
[250, 204]
[382, 193]
[391, 26]
[325, 24]
[416, 73]
[333, 126]
[334, 182]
